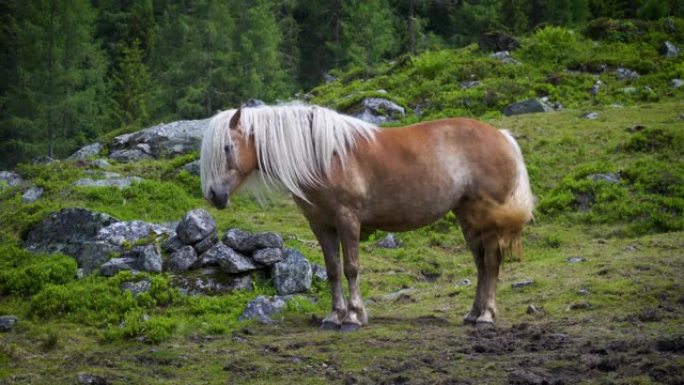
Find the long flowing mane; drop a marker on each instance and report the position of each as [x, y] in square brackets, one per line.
[295, 144]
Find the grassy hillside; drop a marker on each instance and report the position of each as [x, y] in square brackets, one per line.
[609, 190]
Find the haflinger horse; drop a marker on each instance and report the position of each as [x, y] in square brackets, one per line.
[346, 174]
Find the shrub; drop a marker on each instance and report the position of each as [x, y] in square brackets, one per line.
[25, 273]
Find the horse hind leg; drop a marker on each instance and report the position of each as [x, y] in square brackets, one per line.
[477, 249]
[492, 261]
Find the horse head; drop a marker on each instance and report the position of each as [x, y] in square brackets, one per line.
[227, 158]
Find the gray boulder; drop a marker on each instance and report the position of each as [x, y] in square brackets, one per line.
[469, 84]
[262, 308]
[136, 288]
[528, 106]
[91, 379]
[505, 57]
[172, 244]
[206, 243]
[100, 163]
[193, 168]
[66, 231]
[182, 259]
[160, 141]
[676, 83]
[32, 194]
[293, 274]
[119, 233]
[268, 257]
[609, 177]
[211, 281]
[389, 242]
[591, 115]
[319, 272]
[246, 242]
[195, 226]
[626, 74]
[228, 259]
[254, 103]
[9, 178]
[149, 259]
[86, 152]
[497, 41]
[114, 266]
[668, 49]
[93, 254]
[7, 322]
[109, 179]
[377, 111]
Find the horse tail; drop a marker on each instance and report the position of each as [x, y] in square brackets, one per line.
[517, 210]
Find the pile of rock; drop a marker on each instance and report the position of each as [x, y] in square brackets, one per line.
[191, 250]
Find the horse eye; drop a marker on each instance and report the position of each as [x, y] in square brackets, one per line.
[227, 148]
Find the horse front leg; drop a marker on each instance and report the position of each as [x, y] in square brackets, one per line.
[330, 244]
[349, 229]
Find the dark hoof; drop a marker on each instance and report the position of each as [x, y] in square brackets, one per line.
[348, 328]
[467, 321]
[330, 326]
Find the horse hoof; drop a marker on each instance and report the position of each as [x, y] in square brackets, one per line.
[348, 328]
[469, 321]
[326, 325]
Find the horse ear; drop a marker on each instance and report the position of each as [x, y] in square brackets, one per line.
[235, 119]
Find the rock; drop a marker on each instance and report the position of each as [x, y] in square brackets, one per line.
[206, 243]
[195, 226]
[100, 163]
[32, 194]
[136, 288]
[668, 49]
[319, 272]
[583, 291]
[576, 259]
[182, 259]
[377, 111]
[591, 115]
[86, 152]
[9, 178]
[268, 256]
[114, 266]
[211, 281]
[531, 309]
[626, 74]
[389, 242]
[110, 182]
[464, 282]
[329, 78]
[676, 83]
[469, 84]
[129, 155]
[399, 294]
[193, 168]
[521, 284]
[93, 254]
[293, 274]
[505, 57]
[66, 231]
[7, 322]
[131, 232]
[254, 103]
[228, 259]
[43, 159]
[497, 41]
[149, 259]
[160, 141]
[172, 244]
[629, 90]
[246, 242]
[262, 308]
[526, 107]
[604, 177]
[91, 379]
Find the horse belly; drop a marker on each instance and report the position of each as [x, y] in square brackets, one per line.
[401, 211]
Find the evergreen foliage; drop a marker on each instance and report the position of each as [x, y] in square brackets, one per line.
[71, 71]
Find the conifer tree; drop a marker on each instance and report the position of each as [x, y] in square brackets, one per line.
[131, 88]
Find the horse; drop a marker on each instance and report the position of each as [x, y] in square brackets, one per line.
[346, 175]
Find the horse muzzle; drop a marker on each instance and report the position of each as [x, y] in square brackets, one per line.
[218, 199]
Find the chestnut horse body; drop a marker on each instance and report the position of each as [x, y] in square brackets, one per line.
[394, 179]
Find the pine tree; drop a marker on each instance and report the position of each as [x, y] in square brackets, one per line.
[131, 88]
[55, 100]
[368, 33]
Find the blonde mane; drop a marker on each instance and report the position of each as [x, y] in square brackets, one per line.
[295, 144]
